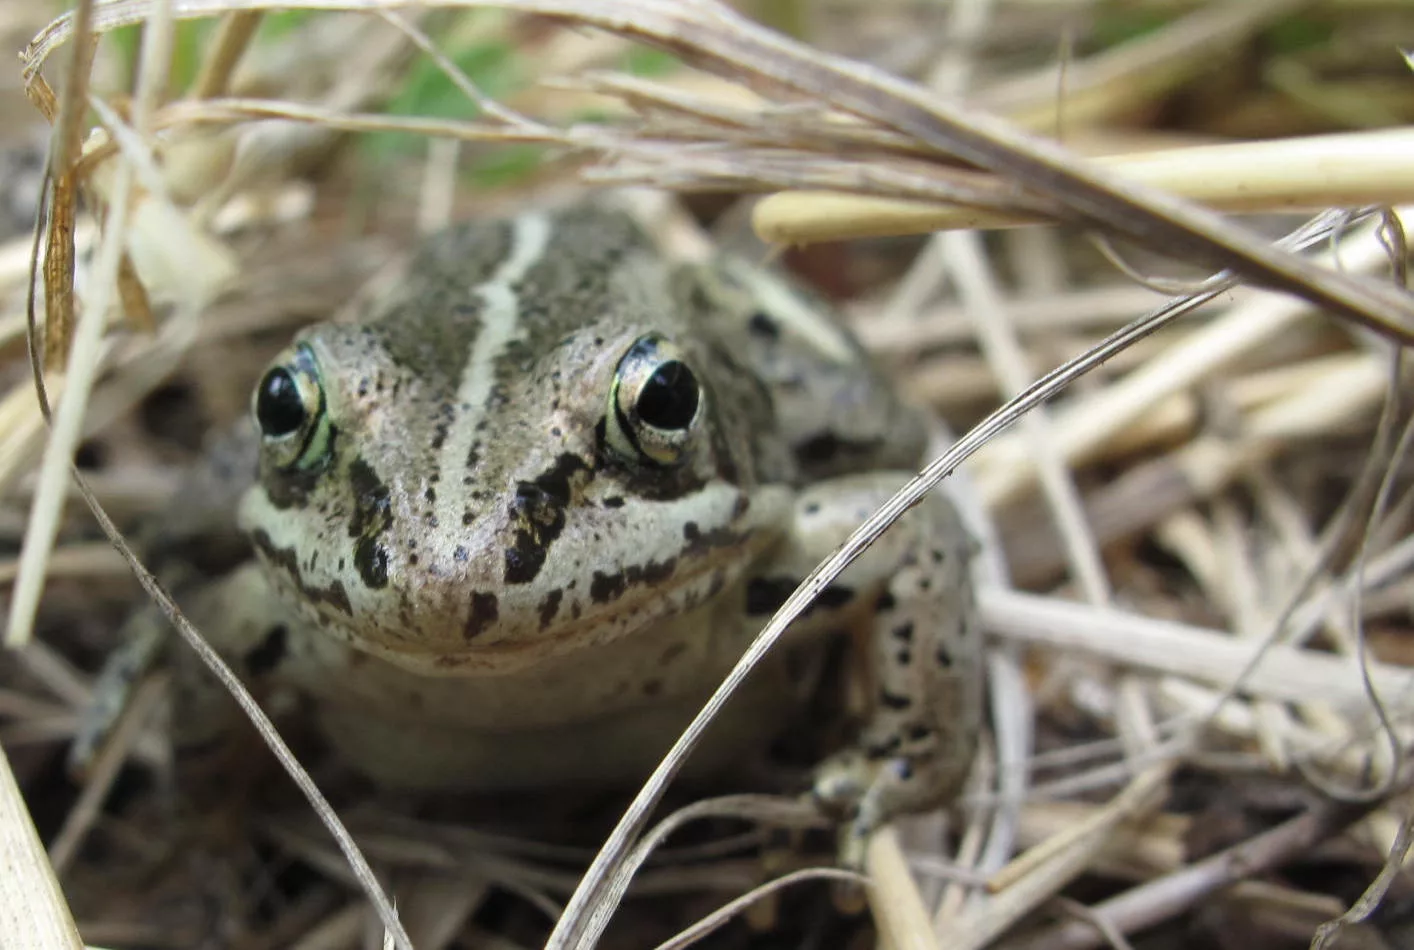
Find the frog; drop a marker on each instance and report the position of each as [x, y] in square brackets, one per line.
[513, 521]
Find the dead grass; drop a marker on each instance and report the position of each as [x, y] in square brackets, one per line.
[1197, 582]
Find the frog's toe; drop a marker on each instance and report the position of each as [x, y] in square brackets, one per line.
[855, 790]
[841, 782]
[864, 793]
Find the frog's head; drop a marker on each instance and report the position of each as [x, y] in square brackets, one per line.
[526, 448]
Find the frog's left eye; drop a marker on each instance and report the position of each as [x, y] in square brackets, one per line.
[288, 406]
[654, 404]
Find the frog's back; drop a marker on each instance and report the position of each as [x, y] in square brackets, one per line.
[827, 404]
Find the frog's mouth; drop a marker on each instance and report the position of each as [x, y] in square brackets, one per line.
[513, 638]
[459, 612]
[607, 607]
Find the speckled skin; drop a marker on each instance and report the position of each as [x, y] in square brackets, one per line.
[481, 588]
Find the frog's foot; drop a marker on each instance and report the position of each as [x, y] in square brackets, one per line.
[866, 787]
[143, 640]
[925, 668]
[841, 789]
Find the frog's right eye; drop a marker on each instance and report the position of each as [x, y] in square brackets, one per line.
[288, 406]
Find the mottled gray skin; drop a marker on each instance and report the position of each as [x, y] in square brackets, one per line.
[481, 588]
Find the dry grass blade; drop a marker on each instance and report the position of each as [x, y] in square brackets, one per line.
[1087, 423]
[64, 432]
[362, 871]
[722, 915]
[1285, 673]
[1132, 71]
[83, 364]
[33, 914]
[104, 770]
[1049, 867]
[67, 144]
[899, 912]
[1165, 896]
[717, 38]
[1328, 934]
[713, 36]
[231, 40]
[1289, 175]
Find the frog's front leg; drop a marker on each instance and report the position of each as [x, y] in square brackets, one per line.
[925, 651]
[244, 622]
[247, 624]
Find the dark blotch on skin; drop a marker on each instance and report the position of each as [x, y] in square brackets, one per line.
[285, 558]
[609, 587]
[484, 611]
[820, 449]
[893, 700]
[917, 733]
[606, 587]
[886, 601]
[372, 515]
[653, 572]
[446, 414]
[944, 656]
[836, 595]
[371, 559]
[699, 543]
[763, 325]
[904, 631]
[827, 448]
[538, 512]
[264, 657]
[550, 606]
[613, 502]
[883, 750]
[765, 595]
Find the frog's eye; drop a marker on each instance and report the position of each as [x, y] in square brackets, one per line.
[288, 406]
[654, 403]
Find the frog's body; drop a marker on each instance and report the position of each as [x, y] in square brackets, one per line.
[514, 525]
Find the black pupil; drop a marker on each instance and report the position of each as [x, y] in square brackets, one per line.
[669, 399]
[278, 407]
